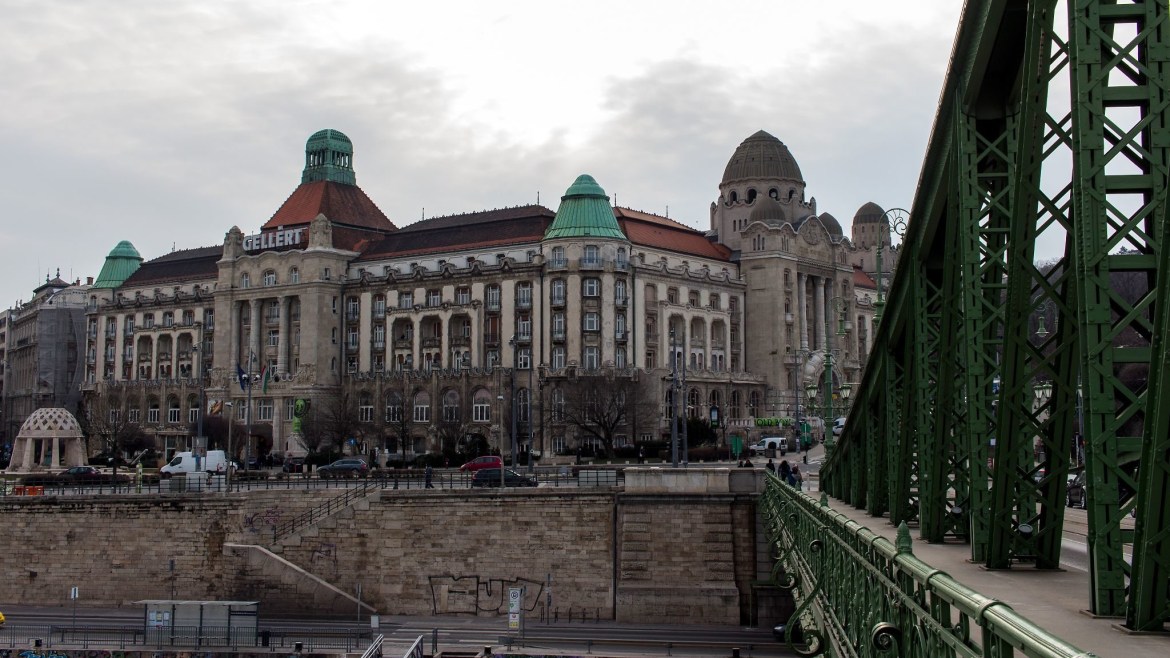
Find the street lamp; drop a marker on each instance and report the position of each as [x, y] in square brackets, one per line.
[673, 401]
[897, 219]
[198, 352]
[512, 343]
[228, 470]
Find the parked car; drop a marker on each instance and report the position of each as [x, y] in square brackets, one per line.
[345, 468]
[1076, 491]
[490, 477]
[487, 461]
[86, 474]
[294, 465]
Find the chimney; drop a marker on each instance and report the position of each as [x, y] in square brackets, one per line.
[89, 280]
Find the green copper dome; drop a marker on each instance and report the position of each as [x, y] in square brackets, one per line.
[584, 212]
[329, 157]
[123, 261]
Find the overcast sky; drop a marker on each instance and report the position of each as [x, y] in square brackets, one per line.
[166, 123]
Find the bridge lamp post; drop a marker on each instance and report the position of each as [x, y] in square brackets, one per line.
[811, 389]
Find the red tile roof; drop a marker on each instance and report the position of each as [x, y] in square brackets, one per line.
[663, 233]
[862, 280]
[183, 265]
[527, 224]
[490, 228]
[342, 204]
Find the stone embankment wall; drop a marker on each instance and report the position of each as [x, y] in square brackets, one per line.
[681, 553]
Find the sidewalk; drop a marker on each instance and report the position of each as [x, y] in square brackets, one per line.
[1055, 600]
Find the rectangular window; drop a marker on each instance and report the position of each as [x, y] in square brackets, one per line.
[393, 412]
[524, 295]
[366, 413]
[592, 358]
[493, 358]
[463, 296]
[405, 300]
[422, 412]
[134, 415]
[524, 327]
[152, 415]
[558, 358]
[193, 415]
[264, 409]
[290, 407]
[591, 287]
[379, 363]
[434, 298]
[114, 415]
[492, 298]
[619, 360]
[559, 445]
[524, 358]
[558, 326]
[273, 337]
[592, 321]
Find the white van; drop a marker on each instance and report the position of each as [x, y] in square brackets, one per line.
[838, 426]
[215, 461]
[777, 443]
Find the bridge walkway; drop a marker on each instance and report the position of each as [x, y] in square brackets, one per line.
[1055, 600]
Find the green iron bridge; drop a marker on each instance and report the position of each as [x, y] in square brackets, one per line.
[1023, 340]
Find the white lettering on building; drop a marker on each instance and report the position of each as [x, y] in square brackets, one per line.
[272, 239]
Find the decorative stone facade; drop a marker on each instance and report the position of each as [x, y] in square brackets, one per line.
[461, 324]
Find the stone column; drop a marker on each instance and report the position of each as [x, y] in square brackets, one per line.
[282, 350]
[802, 309]
[233, 335]
[56, 453]
[257, 331]
[819, 291]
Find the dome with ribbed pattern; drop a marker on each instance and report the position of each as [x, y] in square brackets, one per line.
[762, 156]
[584, 212]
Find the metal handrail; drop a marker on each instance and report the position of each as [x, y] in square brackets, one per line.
[327, 509]
[853, 587]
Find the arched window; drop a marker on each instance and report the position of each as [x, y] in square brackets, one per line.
[481, 409]
[422, 407]
[393, 407]
[245, 280]
[450, 407]
[294, 275]
[753, 403]
[693, 403]
[522, 405]
[751, 195]
[269, 278]
[558, 405]
[174, 411]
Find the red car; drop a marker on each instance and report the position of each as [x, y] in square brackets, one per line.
[488, 461]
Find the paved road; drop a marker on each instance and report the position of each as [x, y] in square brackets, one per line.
[454, 633]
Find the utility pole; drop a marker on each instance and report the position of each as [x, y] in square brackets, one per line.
[673, 401]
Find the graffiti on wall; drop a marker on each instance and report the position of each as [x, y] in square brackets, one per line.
[265, 520]
[470, 595]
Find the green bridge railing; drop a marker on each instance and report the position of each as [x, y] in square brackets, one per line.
[858, 594]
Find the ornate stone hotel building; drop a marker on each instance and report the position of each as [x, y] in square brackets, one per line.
[479, 323]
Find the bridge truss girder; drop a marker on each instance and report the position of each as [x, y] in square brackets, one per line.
[990, 356]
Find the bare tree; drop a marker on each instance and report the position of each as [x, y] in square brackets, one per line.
[332, 420]
[105, 419]
[604, 404]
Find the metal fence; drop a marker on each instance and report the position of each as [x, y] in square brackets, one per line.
[48, 637]
[858, 594]
[385, 479]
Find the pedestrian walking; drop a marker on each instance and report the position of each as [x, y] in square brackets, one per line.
[429, 473]
[797, 478]
[770, 466]
[785, 470]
